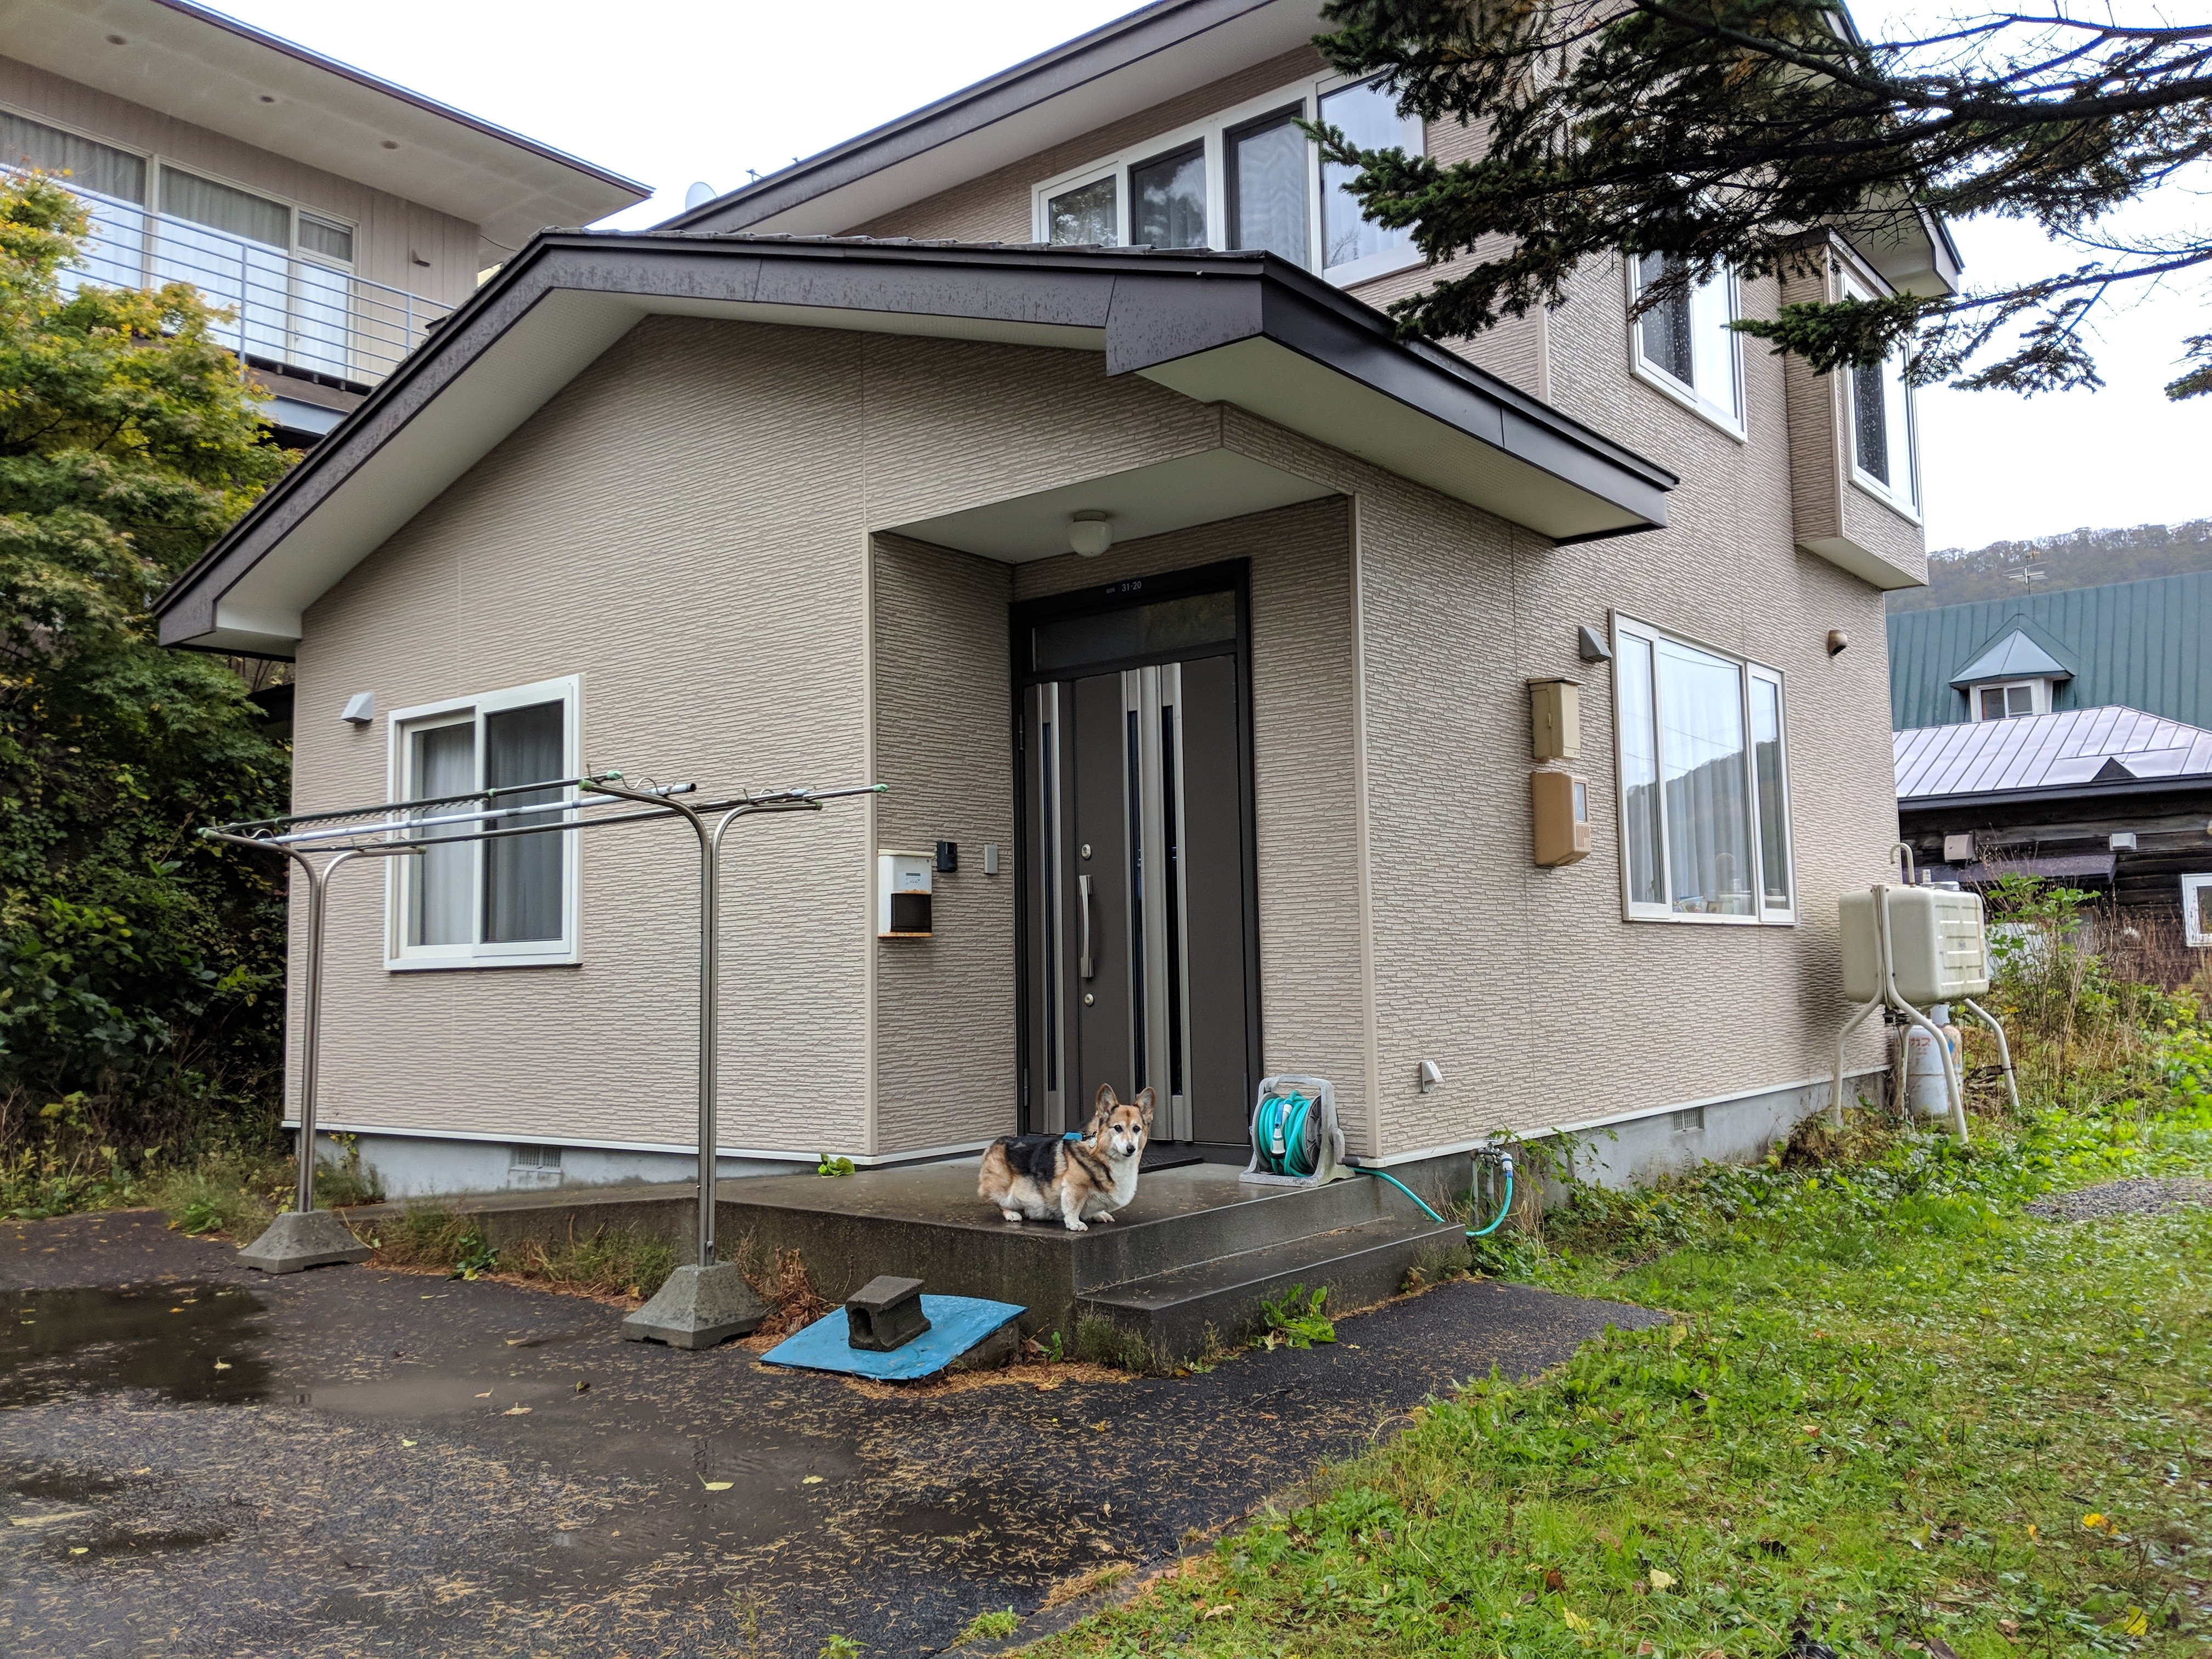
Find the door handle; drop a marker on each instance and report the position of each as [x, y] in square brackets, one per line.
[1083, 888]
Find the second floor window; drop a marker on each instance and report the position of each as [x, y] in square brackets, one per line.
[1884, 457]
[1684, 345]
[1249, 179]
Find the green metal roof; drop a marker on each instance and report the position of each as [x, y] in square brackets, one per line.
[2145, 645]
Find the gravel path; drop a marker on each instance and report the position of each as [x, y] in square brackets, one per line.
[2144, 1195]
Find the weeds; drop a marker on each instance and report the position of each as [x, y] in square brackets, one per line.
[989, 1628]
[1295, 1321]
[779, 1279]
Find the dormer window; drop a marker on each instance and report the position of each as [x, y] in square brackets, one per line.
[2017, 700]
[1248, 177]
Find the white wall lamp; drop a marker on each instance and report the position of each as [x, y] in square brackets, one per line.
[1090, 533]
[360, 709]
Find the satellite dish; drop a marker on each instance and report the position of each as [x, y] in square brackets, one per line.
[698, 196]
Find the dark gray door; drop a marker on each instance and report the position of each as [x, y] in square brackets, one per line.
[1137, 896]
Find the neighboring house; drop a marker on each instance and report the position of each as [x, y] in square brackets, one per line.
[2112, 801]
[789, 491]
[2141, 645]
[339, 216]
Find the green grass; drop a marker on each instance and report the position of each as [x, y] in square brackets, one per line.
[989, 1628]
[1889, 1410]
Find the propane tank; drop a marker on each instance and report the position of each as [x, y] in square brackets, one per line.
[1926, 1091]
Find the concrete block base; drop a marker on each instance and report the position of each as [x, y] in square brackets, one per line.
[300, 1239]
[697, 1307]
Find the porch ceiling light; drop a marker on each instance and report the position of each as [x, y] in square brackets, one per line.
[1089, 534]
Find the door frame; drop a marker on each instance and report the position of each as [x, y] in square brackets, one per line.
[1236, 576]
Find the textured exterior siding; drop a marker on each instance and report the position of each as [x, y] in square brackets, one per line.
[389, 229]
[1313, 972]
[677, 527]
[945, 1038]
[2140, 645]
[1829, 505]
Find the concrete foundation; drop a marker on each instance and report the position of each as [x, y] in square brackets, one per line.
[697, 1307]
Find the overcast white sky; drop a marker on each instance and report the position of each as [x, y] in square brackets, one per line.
[680, 90]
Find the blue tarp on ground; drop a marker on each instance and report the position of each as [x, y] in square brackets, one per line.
[957, 1324]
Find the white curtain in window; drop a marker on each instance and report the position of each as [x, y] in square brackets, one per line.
[522, 875]
[1368, 116]
[1639, 772]
[1767, 765]
[1269, 190]
[1703, 763]
[444, 763]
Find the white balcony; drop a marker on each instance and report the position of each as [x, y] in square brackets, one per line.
[291, 312]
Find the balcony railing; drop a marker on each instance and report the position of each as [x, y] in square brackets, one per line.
[288, 313]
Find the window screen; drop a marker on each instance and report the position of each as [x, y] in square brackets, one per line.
[1639, 774]
[1773, 807]
[1268, 187]
[1083, 216]
[1368, 116]
[443, 761]
[522, 876]
[1702, 760]
[333, 242]
[88, 164]
[1167, 200]
[220, 207]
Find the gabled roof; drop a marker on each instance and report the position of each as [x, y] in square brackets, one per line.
[192, 63]
[2013, 657]
[2138, 644]
[2077, 750]
[1247, 330]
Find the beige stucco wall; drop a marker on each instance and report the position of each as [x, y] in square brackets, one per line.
[390, 232]
[946, 1039]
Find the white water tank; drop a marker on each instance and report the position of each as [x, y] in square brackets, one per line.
[1937, 943]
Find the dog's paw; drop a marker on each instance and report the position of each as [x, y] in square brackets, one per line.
[1079, 1226]
[1012, 1215]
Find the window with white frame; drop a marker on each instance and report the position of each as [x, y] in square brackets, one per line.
[1704, 792]
[1248, 177]
[2197, 909]
[1885, 456]
[1684, 345]
[509, 901]
[2013, 701]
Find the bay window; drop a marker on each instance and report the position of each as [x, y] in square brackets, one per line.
[476, 903]
[1684, 345]
[1705, 805]
[1248, 177]
[1884, 457]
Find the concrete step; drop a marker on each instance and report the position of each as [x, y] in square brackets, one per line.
[1138, 1243]
[1174, 1313]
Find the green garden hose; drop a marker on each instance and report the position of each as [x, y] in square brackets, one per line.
[1504, 1158]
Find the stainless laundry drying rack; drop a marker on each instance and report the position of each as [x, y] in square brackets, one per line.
[322, 843]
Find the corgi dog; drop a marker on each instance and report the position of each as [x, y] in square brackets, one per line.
[1041, 1178]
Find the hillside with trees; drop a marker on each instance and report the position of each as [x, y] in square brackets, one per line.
[2078, 558]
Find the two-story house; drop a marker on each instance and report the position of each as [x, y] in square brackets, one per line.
[339, 216]
[1488, 726]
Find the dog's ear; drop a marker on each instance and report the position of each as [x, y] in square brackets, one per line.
[1101, 1106]
[1143, 1104]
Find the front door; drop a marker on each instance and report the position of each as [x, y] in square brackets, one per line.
[1138, 917]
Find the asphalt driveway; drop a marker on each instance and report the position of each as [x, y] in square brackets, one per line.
[198, 1460]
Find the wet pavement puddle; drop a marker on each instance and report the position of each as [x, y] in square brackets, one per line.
[189, 1342]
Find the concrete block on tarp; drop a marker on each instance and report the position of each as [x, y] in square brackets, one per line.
[886, 1312]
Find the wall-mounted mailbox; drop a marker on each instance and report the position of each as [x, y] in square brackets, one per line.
[1560, 801]
[1555, 719]
[903, 881]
